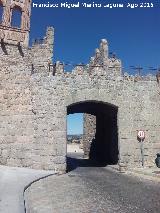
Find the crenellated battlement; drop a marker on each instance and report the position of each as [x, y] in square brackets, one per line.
[37, 58]
[42, 52]
[99, 64]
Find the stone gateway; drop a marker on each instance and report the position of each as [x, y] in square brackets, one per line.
[36, 96]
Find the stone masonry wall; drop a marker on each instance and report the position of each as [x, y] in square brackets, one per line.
[89, 130]
[42, 52]
[16, 126]
[33, 106]
[18, 119]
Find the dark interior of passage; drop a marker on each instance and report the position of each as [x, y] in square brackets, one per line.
[104, 146]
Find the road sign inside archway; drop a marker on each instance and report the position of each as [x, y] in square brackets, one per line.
[141, 134]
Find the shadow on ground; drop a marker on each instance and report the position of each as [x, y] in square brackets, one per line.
[73, 163]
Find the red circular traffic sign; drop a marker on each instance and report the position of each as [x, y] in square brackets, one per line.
[141, 134]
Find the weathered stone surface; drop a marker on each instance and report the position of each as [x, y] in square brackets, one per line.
[89, 131]
[15, 34]
[35, 95]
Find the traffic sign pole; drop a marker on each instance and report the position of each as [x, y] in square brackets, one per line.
[142, 152]
[141, 136]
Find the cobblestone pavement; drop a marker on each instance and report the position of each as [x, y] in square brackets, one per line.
[93, 190]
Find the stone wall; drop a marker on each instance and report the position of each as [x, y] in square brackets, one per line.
[89, 131]
[42, 52]
[22, 131]
[16, 117]
[34, 102]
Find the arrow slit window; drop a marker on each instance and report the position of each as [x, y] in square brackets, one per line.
[1, 12]
[16, 17]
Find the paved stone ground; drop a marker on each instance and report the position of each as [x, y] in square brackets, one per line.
[93, 190]
[12, 183]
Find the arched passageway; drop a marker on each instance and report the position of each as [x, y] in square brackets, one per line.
[103, 149]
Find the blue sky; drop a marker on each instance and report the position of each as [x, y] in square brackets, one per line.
[133, 34]
[75, 124]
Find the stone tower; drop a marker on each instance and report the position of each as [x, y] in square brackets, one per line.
[15, 34]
